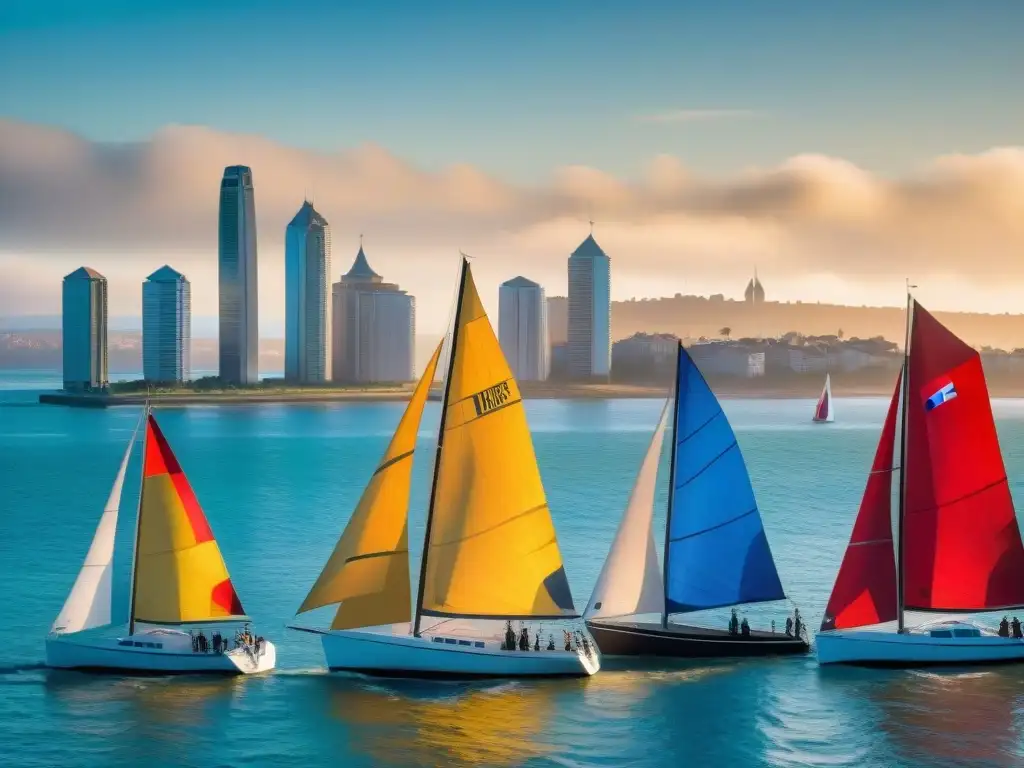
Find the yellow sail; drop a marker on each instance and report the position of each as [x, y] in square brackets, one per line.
[491, 550]
[368, 572]
[180, 574]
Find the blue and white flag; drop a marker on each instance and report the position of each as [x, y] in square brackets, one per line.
[944, 395]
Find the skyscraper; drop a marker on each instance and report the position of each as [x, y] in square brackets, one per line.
[239, 314]
[84, 303]
[590, 311]
[307, 305]
[166, 327]
[374, 323]
[523, 328]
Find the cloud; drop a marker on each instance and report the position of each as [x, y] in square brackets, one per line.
[677, 116]
[960, 218]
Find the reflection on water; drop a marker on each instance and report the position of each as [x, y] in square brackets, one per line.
[499, 724]
[155, 706]
[963, 718]
[410, 724]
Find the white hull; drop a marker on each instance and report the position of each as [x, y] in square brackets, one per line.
[912, 649]
[377, 652]
[152, 653]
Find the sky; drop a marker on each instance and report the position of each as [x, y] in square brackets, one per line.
[833, 146]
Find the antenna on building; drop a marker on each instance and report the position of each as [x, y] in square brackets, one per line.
[360, 241]
[465, 255]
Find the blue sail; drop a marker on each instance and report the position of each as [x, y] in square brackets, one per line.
[716, 551]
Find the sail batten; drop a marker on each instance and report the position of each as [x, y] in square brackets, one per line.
[865, 588]
[367, 574]
[490, 550]
[962, 546]
[630, 582]
[88, 604]
[717, 554]
[180, 576]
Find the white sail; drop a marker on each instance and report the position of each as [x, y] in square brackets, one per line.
[630, 582]
[88, 604]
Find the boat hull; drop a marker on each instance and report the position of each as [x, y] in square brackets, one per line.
[112, 654]
[443, 657]
[682, 642]
[889, 649]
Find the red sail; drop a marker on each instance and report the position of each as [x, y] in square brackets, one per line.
[821, 412]
[962, 548]
[865, 588]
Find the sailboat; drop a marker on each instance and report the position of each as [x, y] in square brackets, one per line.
[182, 603]
[716, 553]
[824, 412]
[958, 548]
[490, 553]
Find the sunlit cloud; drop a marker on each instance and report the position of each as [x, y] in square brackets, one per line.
[128, 208]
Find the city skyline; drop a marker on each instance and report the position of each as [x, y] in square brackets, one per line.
[701, 145]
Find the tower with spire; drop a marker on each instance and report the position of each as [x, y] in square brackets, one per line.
[589, 347]
[754, 294]
[373, 327]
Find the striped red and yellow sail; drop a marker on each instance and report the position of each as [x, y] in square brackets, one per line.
[180, 575]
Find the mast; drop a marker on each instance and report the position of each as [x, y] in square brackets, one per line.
[903, 463]
[138, 519]
[671, 489]
[440, 443]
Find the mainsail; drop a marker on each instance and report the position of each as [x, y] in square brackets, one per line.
[368, 572]
[630, 582]
[179, 574]
[490, 549]
[88, 603]
[716, 551]
[865, 588]
[962, 548]
[823, 410]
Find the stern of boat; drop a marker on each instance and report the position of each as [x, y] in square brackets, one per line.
[250, 661]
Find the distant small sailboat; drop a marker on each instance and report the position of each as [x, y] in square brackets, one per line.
[178, 581]
[824, 412]
[959, 546]
[490, 550]
[716, 552]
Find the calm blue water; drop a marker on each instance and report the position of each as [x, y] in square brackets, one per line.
[278, 484]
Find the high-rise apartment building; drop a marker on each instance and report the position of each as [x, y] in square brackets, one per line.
[373, 327]
[84, 343]
[523, 328]
[166, 327]
[590, 311]
[307, 305]
[239, 311]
